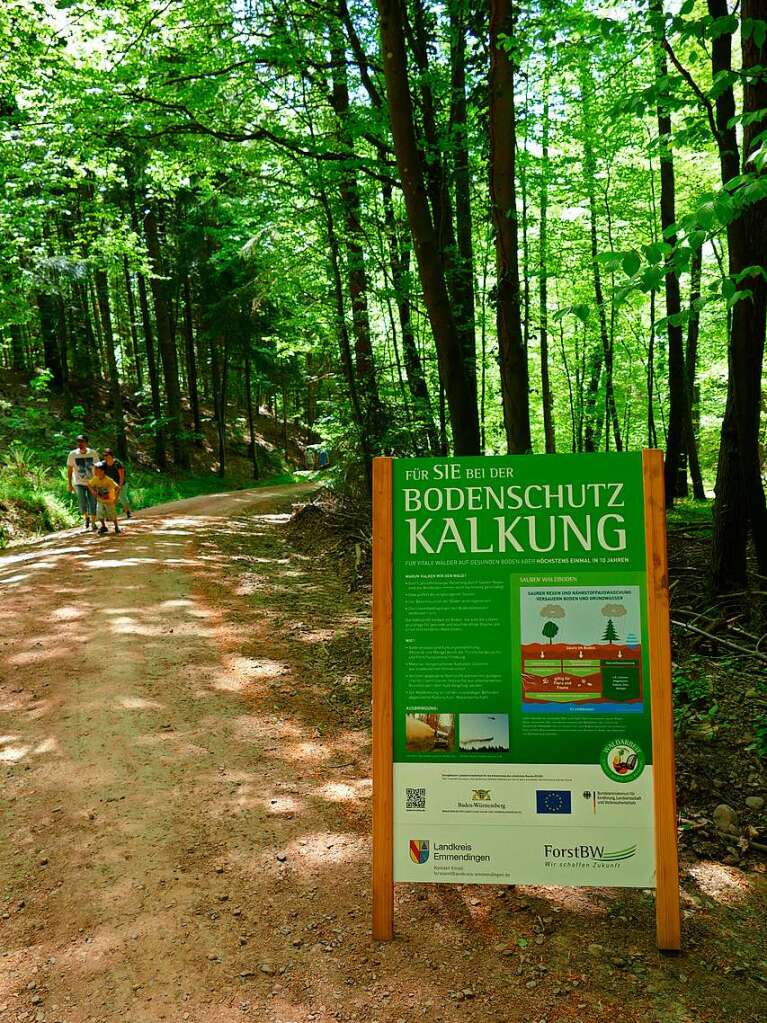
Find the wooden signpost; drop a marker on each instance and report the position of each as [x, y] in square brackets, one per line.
[522, 715]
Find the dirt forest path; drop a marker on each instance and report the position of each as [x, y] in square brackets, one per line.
[184, 769]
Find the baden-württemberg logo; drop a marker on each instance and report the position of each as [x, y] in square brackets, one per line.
[419, 850]
[622, 760]
[480, 795]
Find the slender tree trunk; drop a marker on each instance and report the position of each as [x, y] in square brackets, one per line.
[525, 224]
[86, 345]
[574, 424]
[285, 420]
[18, 352]
[191, 363]
[168, 354]
[463, 274]
[151, 362]
[97, 330]
[543, 293]
[46, 307]
[652, 434]
[589, 168]
[460, 392]
[81, 329]
[690, 363]
[437, 181]
[590, 438]
[354, 239]
[512, 355]
[219, 367]
[253, 446]
[675, 475]
[64, 340]
[399, 260]
[132, 323]
[344, 342]
[483, 343]
[102, 294]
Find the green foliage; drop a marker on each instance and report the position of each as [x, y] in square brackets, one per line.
[695, 710]
[760, 735]
[246, 172]
[32, 499]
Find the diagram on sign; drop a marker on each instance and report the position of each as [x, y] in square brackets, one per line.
[581, 649]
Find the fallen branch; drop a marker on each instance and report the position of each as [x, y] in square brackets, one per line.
[720, 639]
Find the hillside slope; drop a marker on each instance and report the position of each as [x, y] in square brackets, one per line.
[38, 427]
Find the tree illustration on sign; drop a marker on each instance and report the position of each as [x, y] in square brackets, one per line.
[610, 635]
[550, 628]
[611, 611]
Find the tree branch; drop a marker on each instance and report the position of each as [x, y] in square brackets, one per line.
[701, 96]
[195, 127]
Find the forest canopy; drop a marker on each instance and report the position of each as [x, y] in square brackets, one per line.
[415, 228]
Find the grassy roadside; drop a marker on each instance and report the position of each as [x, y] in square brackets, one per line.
[34, 499]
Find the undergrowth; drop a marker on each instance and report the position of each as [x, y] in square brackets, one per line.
[34, 442]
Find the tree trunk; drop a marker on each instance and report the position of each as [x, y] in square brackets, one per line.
[219, 368]
[675, 475]
[589, 168]
[115, 395]
[690, 364]
[151, 359]
[512, 356]
[49, 333]
[463, 273]
[132, 324]
[740, 499]
[64, 340]
[168, 354]
[191, 363]
[18, 352]
[344, 342]
[652, 434]
[285, 420]
[590, 440]
[461, 394]
[354, 238]
[543, 293]
[399, 260]
[97, 330]
[437, 182]
[253, 446]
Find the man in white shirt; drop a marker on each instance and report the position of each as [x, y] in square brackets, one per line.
[80, 462]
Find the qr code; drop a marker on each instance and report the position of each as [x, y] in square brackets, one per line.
[416, 799]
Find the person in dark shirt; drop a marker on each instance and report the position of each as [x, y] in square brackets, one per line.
[115, 470]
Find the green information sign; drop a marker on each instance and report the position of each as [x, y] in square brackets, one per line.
[521, 712]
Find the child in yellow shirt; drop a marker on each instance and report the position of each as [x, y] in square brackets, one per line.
[106, 492]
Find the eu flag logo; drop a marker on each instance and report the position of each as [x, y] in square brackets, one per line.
[553, 801]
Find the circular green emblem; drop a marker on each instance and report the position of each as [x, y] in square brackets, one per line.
[622, 760]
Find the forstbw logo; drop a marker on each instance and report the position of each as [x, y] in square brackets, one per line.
[597, 854]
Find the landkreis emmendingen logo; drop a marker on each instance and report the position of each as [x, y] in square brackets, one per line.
[419, 850]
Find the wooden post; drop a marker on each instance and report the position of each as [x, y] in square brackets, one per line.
[666, 858]
[383, 865]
